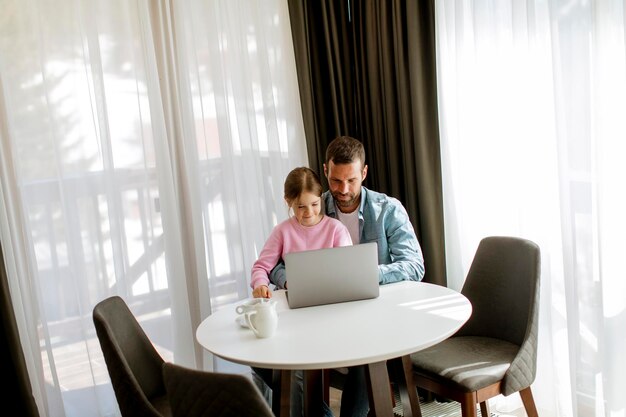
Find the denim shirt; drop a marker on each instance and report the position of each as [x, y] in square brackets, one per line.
[384, 220]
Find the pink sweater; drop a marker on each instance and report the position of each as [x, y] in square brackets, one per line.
[291, 236]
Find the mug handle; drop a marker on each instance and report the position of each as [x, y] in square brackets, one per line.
[249, 321]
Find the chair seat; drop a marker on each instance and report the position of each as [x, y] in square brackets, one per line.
[162, 405]
[489, 358]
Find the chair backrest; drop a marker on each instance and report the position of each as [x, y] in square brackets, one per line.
[133, 363]
[503, 287]
[194, 393]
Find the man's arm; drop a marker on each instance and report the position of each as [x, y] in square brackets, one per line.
[278, 276]
[407, 261]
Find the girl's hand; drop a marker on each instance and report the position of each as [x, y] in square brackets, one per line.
[262, 291]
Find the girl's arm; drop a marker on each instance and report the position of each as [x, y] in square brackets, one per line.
[268, 258]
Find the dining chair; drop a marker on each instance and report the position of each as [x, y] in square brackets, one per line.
[133, 363]
[495, 351]
[194, 393]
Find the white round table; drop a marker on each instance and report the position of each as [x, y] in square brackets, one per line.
[407, 317]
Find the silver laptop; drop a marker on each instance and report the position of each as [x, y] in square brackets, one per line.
[334, 275]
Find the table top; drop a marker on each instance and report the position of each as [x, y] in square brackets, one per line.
[407, 316]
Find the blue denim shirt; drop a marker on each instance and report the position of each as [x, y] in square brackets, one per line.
[384, 220]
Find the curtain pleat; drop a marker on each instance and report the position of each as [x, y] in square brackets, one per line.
[367, 69]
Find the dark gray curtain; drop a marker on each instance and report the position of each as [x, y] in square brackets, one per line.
[17, 391]
[366, 68]
[323, 48]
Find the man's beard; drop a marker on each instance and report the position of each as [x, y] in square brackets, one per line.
[344, 203]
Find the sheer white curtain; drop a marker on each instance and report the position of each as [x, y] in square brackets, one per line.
[143, 146]
[533, 121]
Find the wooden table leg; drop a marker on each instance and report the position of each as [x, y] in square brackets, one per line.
[381, 404]
[313, 392]
[402, 369]
[281, 390]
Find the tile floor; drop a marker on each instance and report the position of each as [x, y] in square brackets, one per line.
[335, 400]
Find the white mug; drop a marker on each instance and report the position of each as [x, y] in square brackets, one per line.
[262, 318]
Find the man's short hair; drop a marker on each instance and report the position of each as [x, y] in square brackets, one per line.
[345, 150]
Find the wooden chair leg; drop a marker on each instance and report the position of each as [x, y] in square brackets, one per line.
[484, 409]
[468, 407]
[529, 402]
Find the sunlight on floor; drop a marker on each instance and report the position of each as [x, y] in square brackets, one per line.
[429, 409]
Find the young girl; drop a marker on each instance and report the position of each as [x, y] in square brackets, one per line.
[307, 229]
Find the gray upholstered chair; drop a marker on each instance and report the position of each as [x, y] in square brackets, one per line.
[194, 393]
[133, 363]
[495, 351]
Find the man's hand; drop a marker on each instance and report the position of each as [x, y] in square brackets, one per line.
[262, 291]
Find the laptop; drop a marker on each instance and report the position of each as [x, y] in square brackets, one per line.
[333, 275]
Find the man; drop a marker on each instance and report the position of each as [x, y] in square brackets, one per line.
[370, 217]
